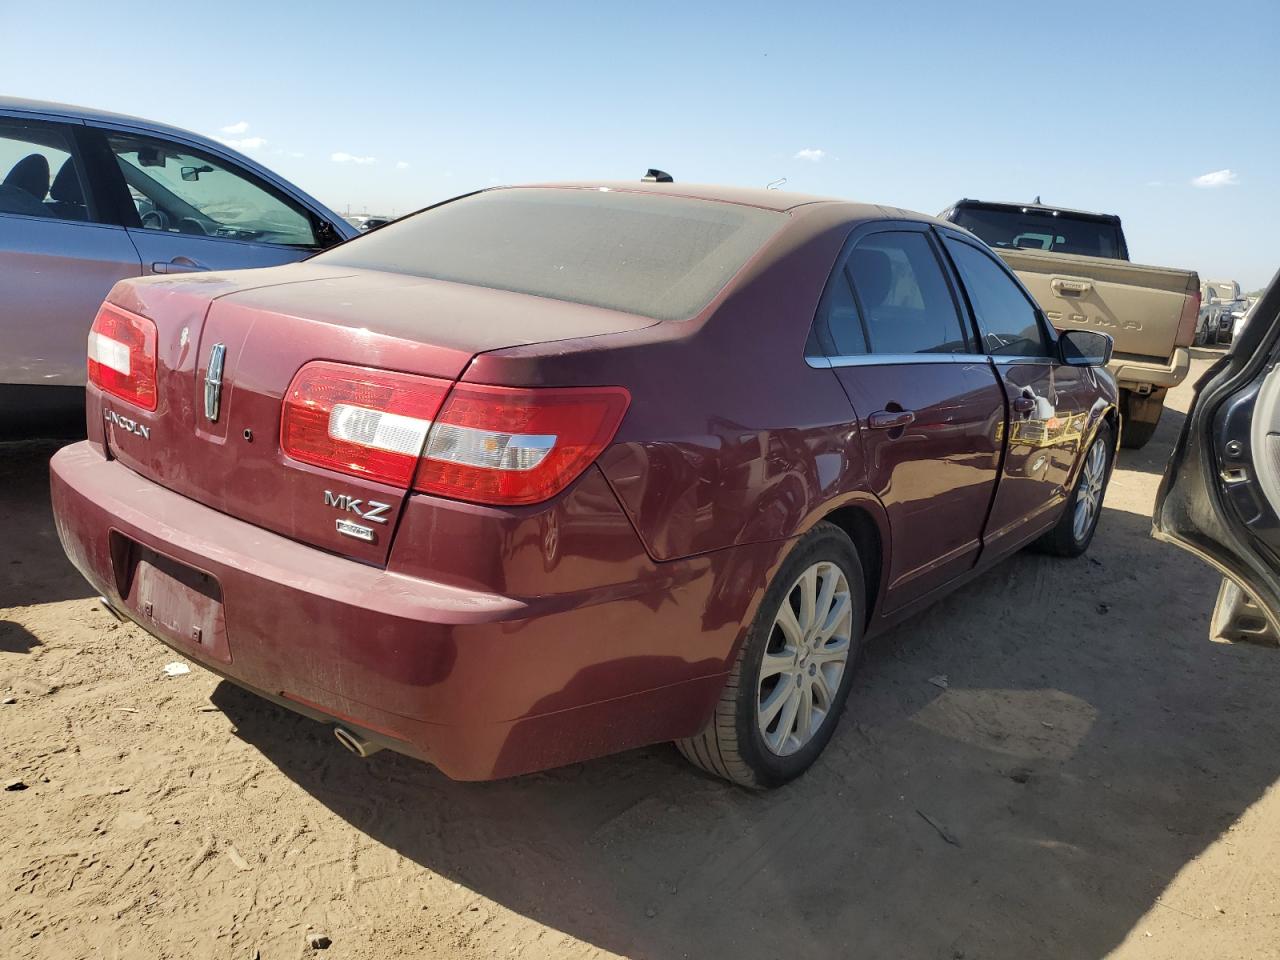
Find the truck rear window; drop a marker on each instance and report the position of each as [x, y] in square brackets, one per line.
[657, 256]
[1030, 229]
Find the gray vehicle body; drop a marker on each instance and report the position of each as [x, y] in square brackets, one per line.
[54, 273]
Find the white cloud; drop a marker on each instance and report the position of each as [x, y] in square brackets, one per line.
[352, 158]
[1218, 178]
[245, 144]
[402, 165]
[812, 154]
[236, 128]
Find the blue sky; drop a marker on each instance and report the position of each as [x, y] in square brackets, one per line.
[383, 106]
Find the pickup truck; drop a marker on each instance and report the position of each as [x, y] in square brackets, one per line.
[1076, 264]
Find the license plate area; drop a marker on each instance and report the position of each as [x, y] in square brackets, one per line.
[175, 601]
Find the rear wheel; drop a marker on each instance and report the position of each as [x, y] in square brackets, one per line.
[1074, 530]
[1141, 416]
[788, 685]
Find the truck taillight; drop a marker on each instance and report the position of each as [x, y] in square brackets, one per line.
[1186, 332]
[360, 421]
[122, 355]
[493, 445]
[507, 445]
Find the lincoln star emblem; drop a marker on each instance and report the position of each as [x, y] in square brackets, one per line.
[213, 381]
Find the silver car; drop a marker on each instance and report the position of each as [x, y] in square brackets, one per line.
[88, 198]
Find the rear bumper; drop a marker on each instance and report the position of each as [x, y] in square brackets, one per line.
[1136, 373]
[479, 684]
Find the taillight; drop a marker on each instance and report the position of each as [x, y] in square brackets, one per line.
[505, 445]
[122, 355]
[495, 445]
[1186, 332]
[356, 420]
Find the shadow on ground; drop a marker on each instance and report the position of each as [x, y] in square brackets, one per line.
[33, 567]
[15, 638]
[1089, 743]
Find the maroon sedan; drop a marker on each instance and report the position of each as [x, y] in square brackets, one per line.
[544, 473]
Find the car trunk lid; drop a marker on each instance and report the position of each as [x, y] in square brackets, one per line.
[266, 325]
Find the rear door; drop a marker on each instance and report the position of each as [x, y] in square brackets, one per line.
[59, 252]
[188, 210]
[1220, 496]
[1048, 402]
[930, 409]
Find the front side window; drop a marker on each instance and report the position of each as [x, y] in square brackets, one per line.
[905, 303]
[177, 191]
[1007, 318]
[42, 177]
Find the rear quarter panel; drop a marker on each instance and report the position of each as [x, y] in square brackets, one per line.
[731, 437]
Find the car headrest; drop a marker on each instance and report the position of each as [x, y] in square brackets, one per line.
[66, 185]
[31, 174]
[872, 275]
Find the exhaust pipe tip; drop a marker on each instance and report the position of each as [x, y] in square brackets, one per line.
[357, 744]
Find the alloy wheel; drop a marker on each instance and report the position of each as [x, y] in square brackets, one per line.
[805, 659]
[1089, 490]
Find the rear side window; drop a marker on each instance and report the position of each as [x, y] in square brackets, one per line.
[656, 256]
[1008, 320]
[904, 304]
[41, 175]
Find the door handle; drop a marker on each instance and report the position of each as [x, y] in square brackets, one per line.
[891, 419]
[178, 265]
[1072, 288]
[1023, 405]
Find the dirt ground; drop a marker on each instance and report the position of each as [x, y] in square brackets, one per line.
[1097, 779]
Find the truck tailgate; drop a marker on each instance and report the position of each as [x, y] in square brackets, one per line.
[1140, 306]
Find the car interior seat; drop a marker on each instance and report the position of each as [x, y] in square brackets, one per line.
[67, 194]
[24, 188]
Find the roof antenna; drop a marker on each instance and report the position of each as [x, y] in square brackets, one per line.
[657, 176]
[775, 184]
[1037, 202]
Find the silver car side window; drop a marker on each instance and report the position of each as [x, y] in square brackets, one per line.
[176, 190]
[41, 173]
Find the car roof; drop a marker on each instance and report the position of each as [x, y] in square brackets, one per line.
[782, 201]
[92, 115]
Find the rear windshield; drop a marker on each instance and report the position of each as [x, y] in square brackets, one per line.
[660, 257]
[1028, 229]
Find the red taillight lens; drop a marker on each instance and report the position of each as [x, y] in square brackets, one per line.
[368, 423]
[1186, 332]
[504, 445]
[122, 355]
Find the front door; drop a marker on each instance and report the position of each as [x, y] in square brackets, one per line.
[1048, 401]
[929, 408]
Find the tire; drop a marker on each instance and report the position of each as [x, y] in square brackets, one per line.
[1141, 416]
[735, 744]
[1068, 538]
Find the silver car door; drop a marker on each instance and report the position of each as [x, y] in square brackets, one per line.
[59, 254]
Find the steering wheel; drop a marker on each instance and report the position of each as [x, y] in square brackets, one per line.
[192, 226]
[155, 220]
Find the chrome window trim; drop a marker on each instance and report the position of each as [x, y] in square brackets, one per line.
[999, 358]
[892, 359]
[902, 359]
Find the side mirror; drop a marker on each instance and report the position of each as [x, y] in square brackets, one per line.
[1084, 348]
